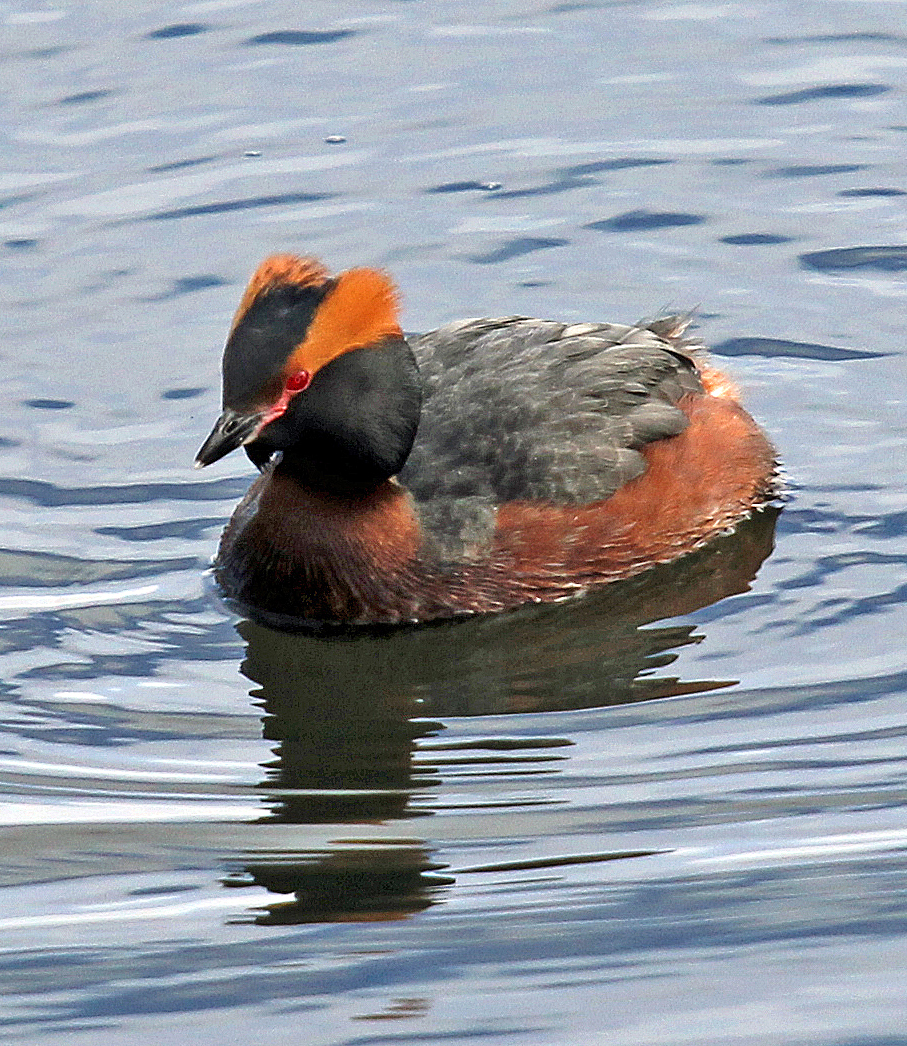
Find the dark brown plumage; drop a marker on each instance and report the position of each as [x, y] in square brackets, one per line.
[486, 464]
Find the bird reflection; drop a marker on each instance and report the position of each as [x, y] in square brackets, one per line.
[351, 713]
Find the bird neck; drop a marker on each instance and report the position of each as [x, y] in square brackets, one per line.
[289, 549]
[330, 471]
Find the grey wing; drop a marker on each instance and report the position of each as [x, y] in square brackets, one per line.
[522, 409]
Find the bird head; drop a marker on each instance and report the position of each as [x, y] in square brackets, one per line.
[317, 367]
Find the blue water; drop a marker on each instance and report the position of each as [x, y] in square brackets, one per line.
[672, 814]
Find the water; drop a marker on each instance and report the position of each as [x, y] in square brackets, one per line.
[670, 814]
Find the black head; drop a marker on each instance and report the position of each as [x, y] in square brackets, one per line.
[354, 425]
[318, 369]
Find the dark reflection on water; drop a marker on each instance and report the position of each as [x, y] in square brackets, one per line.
[568, 178]
[84, 96]
[347, 884]
[170, 32]
[227, 206]
[835, 38]
[341, 717]
[814, 170]
[179, 165]
[455, 187]
[829, 91]
[516, 248]
[755, 239]
[888, 258]
[789, 349]
[366, 764]
[49, 495]
[188, 285]
[636, 221]
[880, 191]
[300, 38]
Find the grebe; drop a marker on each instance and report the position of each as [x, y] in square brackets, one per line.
[486, 464]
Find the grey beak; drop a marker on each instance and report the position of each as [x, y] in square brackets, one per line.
[230, 431]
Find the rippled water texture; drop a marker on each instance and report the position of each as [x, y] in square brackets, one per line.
[672, 814]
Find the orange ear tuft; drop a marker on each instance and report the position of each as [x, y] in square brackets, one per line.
[280, 269]
[360, 311]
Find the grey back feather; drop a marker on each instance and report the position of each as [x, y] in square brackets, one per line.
[517, 408]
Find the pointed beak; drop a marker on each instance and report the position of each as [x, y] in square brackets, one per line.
[230, 431]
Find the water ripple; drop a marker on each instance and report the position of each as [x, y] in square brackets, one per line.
[844, 259]
[227, 206]
[49, 495]
[300, 38]
[178, 29]
[773, 347]
[825, 92]
[635, 221]
[516, 248]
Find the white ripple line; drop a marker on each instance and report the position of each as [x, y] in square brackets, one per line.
[80, 771]
[77, 599]
[821, 846]
[126, 814]
[168, 911]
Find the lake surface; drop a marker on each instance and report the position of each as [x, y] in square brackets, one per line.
[673, 813]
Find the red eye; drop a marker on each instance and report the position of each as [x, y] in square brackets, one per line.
[298, 381]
